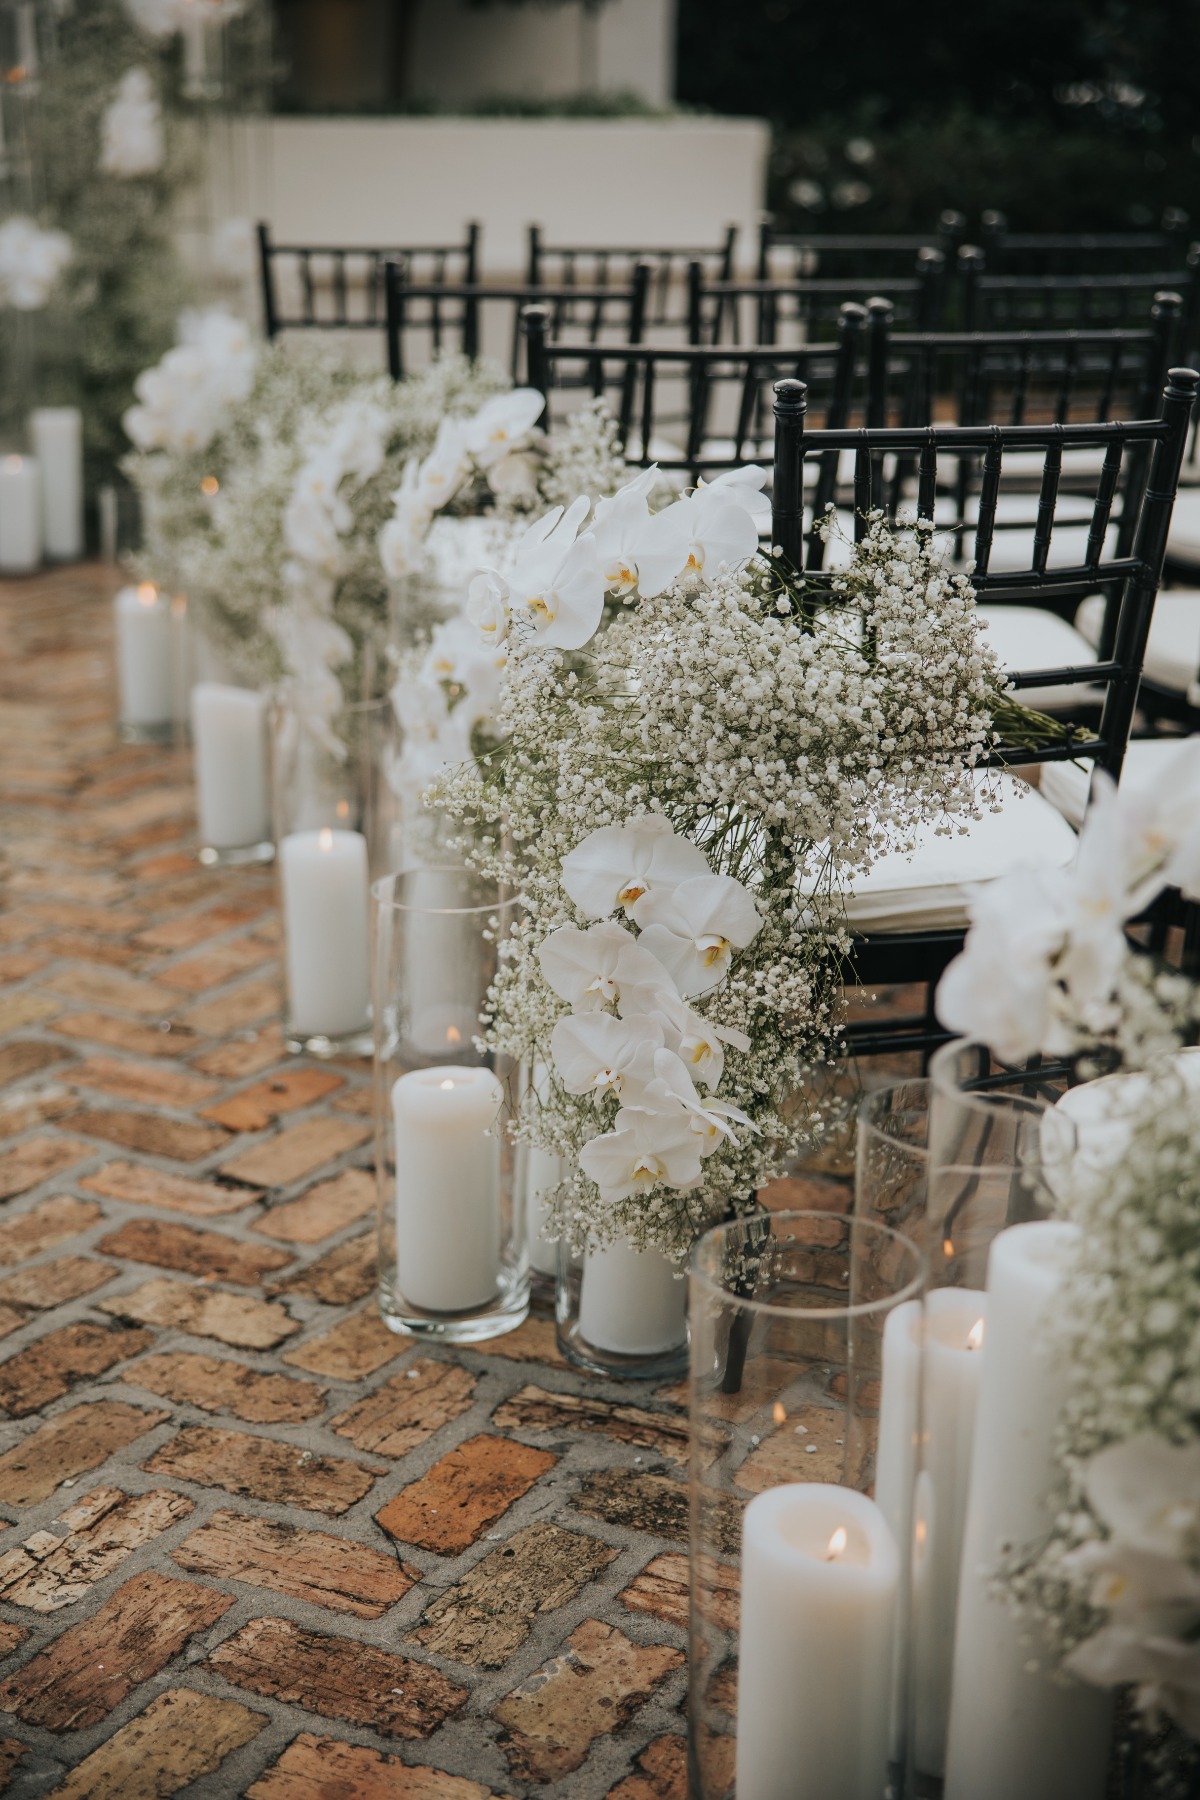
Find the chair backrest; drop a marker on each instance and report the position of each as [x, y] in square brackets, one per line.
[1077, 301]
[801, 311]
[329, 287]
[448, 317]
[870, 258]
[589, 266]
[1133, 577]
[1083, 253]
[638, 381]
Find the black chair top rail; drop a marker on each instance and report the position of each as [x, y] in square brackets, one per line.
[868, 256]
[326, 273]
[1082, 300]
[715, 308]
[594, 266]
[1066, 253]
[452, 315]
[1137, 574]
[633, 376]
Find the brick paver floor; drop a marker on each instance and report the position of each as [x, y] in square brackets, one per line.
[252, 1543]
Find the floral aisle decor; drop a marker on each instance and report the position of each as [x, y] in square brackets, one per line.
[1113, 1592]
[694, 756]
[266, 511]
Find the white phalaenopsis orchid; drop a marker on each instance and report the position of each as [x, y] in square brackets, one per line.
[619, 865]
[31, 261]
[598, 1054]
[187, 398]
[694, 928]
[644, 1151]
[555, 582]
[698, 535]
[487, 607]
[671, 1089]
[620, 527]
[446, 467]
[1147, 1492]
[592, 969]
[502, 426]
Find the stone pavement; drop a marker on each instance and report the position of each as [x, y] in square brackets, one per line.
[252, 1543]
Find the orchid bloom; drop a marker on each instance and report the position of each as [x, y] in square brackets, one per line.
[620, 528]
[618, 865]
[1162, 825]
[699, 1045]
[701, 532]
[670, 1089]
[487, 607]
[1166, 1670]
[744, 485]
[402, 539]
[591, 969]
[1000, 988]
[644, 1151]
[444, 470]
[598, 1054]
[1147, 1492]
[501, 425]
[694, 929]
[556, 578]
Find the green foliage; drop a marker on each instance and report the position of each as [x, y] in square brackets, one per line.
[114, 313]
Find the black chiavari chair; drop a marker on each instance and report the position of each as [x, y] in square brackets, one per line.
[1083, 253]
[1079, 301]
[638, 380]
[907, 927]
[457, 318]
[872, 258]
[565, 266]
[326, 287]
[805, 309]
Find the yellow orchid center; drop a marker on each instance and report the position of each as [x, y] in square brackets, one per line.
[695, 561]
[538, 603]
[646, 1171]
[712, 950]
[631, 894]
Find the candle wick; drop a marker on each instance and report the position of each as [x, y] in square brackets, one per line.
[837, 1544]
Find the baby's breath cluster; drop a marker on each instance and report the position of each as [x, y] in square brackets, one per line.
[789, 736]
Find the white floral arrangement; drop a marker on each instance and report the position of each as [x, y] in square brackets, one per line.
[1048, 969]
[186, 399]
[132, 142]
[694, 754]
[279, 505]
[32, 260]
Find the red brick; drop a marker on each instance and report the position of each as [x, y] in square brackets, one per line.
[56, 1568]
[206, 1253]
[152, 1084]
[245, 1005]
[464, 1493]
[137, 1185]
[147, 1132]
[321, 1768]
[218, 1386]
[536, 1409]
[67, 1446]
[263, 1469]
[296, 1152]
[287, 1091]
[45, 1370]
[339, 1678]
[28, 1056]
[355, 1347]
[36, 1160]
[240, 1320]
[181, 1736]
[97, 985]
[326, 1208]
[306, 1565]
[214, 967]
[343, 1275]
[408, 1409]
[244, 1056]
[48, 1223]
[54, 1283]
[128, 1034]
[87, 1671]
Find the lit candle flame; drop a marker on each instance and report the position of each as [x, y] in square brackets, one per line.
[837, 1544]
[14, 462]
[343, 809]
[325, 838]
[975, 1335]
[779, 1412]
[947, 1246]
[147, 594]
[210, 486]
[453, 1034]
[445, 1084]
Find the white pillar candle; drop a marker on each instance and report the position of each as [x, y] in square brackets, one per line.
[323, 876]
[20, 515]
[820, 1574]
[229, 730]
[940, 1345]
[441, 964]
[143, 618]
[543, 1173]
[447, 1125]
[631, 1302]
[56, 433]
[1014, 1729]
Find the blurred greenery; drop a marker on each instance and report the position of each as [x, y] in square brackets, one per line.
[1064, 114]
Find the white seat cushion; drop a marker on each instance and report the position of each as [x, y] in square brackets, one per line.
[930, 890]
[1066, 785]
[1025, 637]
[1173, 648]
[1183, 539]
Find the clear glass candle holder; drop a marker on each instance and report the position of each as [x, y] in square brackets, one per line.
[621, 1312]
[452, 1254]
[797, 1651]
[329, 812]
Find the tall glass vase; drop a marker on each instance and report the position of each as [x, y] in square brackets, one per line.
[796, 1659]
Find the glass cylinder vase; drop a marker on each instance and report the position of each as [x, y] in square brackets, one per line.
[452, 1255]
[622, 1312]
[330, 837]
[796, 1572]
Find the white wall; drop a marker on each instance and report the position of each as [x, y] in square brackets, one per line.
[462, 54]
[676, 181]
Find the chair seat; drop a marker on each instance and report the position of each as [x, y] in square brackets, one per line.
[1173, 648]
[930, 889]
[1183, 540]
[1066, 785]
[1025, 637]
